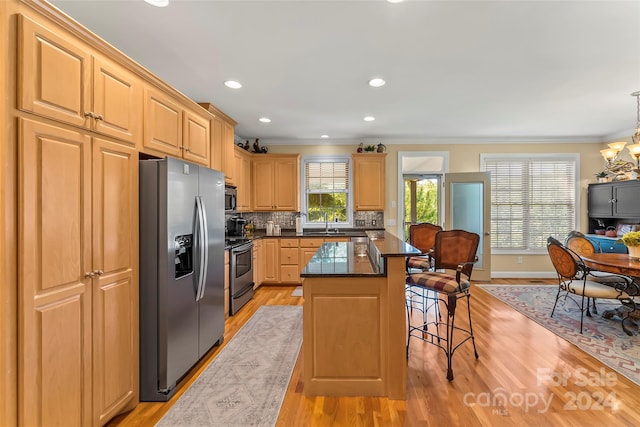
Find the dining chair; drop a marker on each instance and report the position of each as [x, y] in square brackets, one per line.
[422, 237]
[454, 254]
[579, 244]
[574, 278]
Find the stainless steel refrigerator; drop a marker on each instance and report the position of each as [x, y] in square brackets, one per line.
[181, 271]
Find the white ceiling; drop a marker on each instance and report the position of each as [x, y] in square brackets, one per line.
[455, 70]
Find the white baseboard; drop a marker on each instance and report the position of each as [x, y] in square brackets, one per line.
[523, 275]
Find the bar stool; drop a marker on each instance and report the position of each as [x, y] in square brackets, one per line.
[454, 255]
[423, 237]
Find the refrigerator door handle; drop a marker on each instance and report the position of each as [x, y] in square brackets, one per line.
[203, 249]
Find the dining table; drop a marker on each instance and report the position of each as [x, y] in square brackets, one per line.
[618, 263]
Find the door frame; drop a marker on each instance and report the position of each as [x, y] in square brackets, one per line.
[400, 182]
[479, 273]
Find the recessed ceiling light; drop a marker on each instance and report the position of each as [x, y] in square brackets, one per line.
[324, 136]
[369, 119]
[265, 119]
[232, 84]
[395, 1]
[158, 3]
[377, 82]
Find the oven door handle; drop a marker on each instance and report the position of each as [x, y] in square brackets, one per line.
[203, 249]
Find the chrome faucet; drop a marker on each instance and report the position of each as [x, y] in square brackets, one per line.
[326, 222]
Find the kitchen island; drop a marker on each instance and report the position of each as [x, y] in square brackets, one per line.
[354, 330]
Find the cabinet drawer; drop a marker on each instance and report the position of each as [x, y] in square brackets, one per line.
[288, 243]
[289, 273]
[289, 256]
[311, 242]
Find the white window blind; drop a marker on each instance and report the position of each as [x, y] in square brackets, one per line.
[322, 177]
[532, 198]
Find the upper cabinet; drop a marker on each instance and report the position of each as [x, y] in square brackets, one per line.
[369, 181]
[614, 200]
[243, 179]
[60, 78]
[276, 182]
[171, 128]
[222, 146]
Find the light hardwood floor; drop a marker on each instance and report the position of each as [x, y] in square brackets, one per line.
[520, 363]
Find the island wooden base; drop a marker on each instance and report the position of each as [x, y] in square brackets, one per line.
[355, 334]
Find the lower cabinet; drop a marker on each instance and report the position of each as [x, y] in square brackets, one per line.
[289, 269]
[258, 264]
[271, 252]
[78, 327]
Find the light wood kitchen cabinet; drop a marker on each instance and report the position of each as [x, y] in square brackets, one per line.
[369, 181]
[196, 137]
[78, 324]
[271, 252]
[243, 179]
[222, 143]
[289, 261]
[258, 264]
[61, 79]
[276, 182]
[170, 128]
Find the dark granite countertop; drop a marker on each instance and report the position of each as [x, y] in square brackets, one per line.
[315, 232]
[343, 259]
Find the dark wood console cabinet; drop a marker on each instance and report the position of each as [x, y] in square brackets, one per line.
[612, 203]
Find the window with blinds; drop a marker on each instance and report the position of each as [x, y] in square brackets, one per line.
[532, 197]
[326, 190]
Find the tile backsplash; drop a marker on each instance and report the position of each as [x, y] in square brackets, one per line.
[287, 220]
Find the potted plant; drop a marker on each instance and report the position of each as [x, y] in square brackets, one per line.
[602, 176]
[632, 241]
[370, 148]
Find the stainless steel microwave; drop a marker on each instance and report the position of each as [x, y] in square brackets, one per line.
[230, 198]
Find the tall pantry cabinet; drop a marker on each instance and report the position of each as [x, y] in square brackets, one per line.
[78, 204]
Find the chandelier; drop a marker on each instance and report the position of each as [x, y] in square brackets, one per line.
[620, 169]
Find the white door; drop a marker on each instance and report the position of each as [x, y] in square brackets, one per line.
[468, 207]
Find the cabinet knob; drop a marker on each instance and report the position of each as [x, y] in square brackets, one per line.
[90, 114]
[89, 275]
[99, 117]
[98, 272]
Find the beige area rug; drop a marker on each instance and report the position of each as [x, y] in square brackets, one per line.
[246, 383]
[297, 292]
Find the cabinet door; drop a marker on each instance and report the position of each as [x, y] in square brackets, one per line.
[599, 201]
[196, 138]
[117, 102]
[217, 142]
[263, 185]
[258, 264]
[243, 179]
[115, 288]
[55, 310]
[369, 182]
[162, 123]
[286, 181]
[270, 250]
[54, 75]
[627, 200]
[228, 156]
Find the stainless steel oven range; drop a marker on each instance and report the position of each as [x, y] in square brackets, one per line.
[240, 273]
